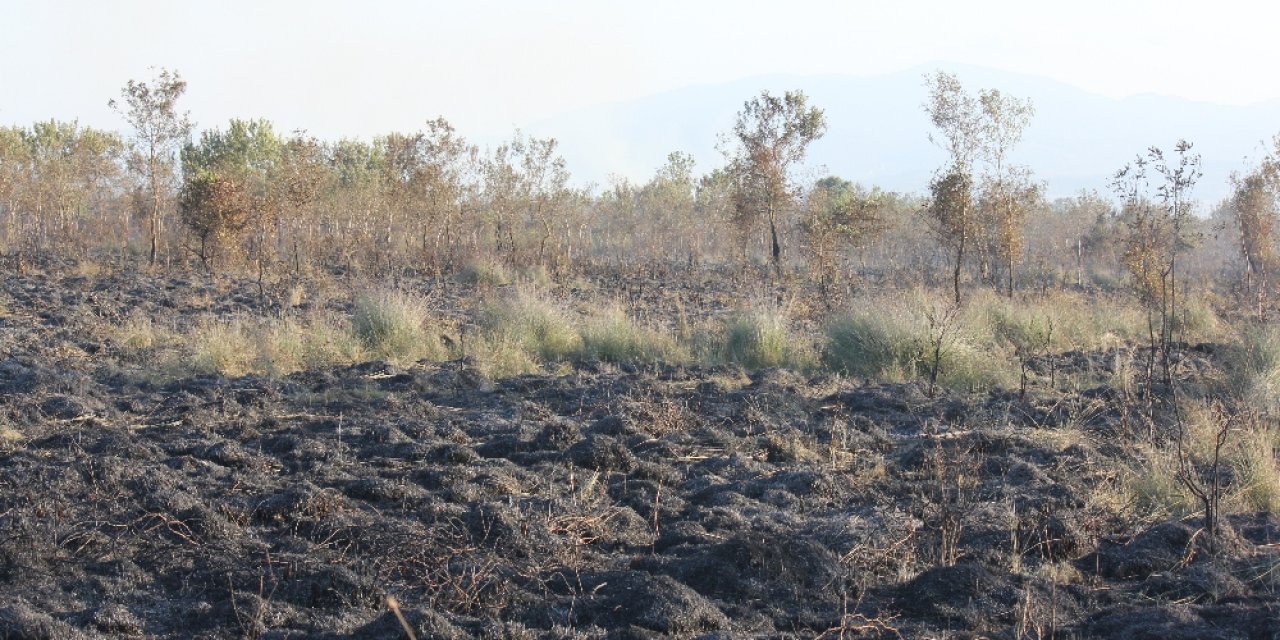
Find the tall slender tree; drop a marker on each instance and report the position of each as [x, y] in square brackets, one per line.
[159, 132]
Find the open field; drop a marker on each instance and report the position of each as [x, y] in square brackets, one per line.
[621, 457]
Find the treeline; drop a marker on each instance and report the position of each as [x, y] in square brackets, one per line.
[245, 196]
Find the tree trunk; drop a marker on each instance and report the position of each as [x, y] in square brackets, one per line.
[777, 245]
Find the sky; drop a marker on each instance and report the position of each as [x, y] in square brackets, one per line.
[364, 68]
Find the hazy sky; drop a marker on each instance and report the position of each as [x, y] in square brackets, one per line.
[368, 67]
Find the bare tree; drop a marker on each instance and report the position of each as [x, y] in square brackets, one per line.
[159, 131]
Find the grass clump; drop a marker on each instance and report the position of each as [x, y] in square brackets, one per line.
[532, 323]
[1059, 321]
[1254, 462]
[139, 336]
[905, 339]
[1154, 490]
[394, 326]
[222, 347]
[762, 339]
[873, 345]
[1254, 374]
[498, 356]
[520, 332]
[613, 336]
[485, 273]
[242, 346]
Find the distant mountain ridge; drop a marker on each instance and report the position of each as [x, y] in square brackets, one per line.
[878, 131]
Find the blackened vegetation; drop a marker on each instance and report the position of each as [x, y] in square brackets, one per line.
[611, 501]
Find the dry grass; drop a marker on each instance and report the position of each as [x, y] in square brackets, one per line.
[610, 335]
[897, 339]
[395, 326]
[763, 338]
[533, 323]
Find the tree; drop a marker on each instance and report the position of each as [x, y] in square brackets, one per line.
[1159, 231]
[216, 209]
[525, 190]
[14, 171]
[839, 214]
[304, 176]
[159, 130]
[972, 129]
[958, 118]
[1255, 211]
[1009, 190]
[1006, 202]
[950, 210]
[772, 135]
[240, 165]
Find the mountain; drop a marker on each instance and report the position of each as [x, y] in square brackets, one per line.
[878, 131]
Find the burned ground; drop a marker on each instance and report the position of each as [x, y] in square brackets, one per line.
[601, 500]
